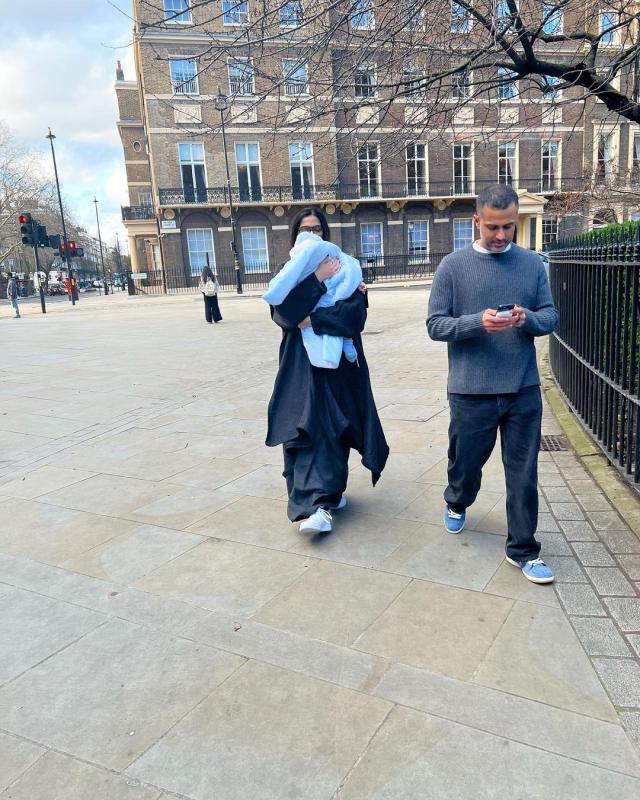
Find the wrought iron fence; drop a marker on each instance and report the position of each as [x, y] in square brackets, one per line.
[595, 351]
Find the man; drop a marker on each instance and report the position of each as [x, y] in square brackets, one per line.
[12, 293]
[493, 376]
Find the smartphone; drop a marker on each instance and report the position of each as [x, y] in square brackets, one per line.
[505, 310]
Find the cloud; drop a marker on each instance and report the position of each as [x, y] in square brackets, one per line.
[62, 75]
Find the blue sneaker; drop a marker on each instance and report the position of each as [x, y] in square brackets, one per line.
[535, 570]
[453, 522]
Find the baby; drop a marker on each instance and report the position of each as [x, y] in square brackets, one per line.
[308, 251]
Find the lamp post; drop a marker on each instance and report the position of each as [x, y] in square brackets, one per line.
[222, 104]
[104, 279]
[50, 136]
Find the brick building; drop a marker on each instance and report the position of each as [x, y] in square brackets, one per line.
[390, 186]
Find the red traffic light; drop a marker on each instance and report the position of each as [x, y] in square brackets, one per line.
[23, 219]
[72, 246]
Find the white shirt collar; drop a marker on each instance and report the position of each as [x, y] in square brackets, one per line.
[480, 249]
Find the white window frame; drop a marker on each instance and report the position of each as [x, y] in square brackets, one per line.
[507, 88]
[549, 94]
[295, 87]
[413, 21]
[376, 171]
[365, 68]
[610, 164]
[554, 226]
[196, 269]
[471, 160]
[248, 164]
[461, 22]
[514, 163]
[236, 8]
[301, 163]
[418, 91]
[249, 71]
[412, 191]
[634, 152]
[502, 11]
[254, 268]
[380, 227]
[286, 22]
[173, 16]
[611, 39]
[193, 163]
[422, 256]
[468, 223]
[467, 86]
[552, 19]
[558, 170]
[362, 15]
[145, 199]
[175, 84]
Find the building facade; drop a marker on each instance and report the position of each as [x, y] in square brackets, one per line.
[398, 191]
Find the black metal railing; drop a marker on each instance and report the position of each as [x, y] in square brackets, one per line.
[219, 195]
[595, 351]
[137, 212]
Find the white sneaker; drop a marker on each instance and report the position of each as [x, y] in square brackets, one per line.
[319, 522]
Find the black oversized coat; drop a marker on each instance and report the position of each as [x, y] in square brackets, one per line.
[309, 402]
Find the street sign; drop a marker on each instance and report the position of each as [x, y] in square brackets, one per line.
[169, 223]
[139, 276]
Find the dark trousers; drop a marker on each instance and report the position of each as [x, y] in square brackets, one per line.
[316, 475]
[475, 421]
[211, 308]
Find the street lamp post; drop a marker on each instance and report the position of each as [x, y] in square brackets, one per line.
[67, 260]
[104, 277]
[222, 104]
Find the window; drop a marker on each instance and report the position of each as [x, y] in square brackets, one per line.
[365, 81]
[144, 199]
[462, 168]
[507, 87]
[417, 169]
[194, 181]
[235, 12]
[362, 17]
[504, 15]
[462, 233]
[301, 166]
[184, 78]
[371, 239]
[552, 19]
[291, 14]
[413, 82]
[177, 11]
[461, 21]
[248, 166]
[412, 17]
[200, 243]
[549, 231]
[462, 81]
[607, 20]
[156, 260]
[550, 164]
[296, 77]
[635, 156]
[418, 240]
[368, 161]
[605, 158]
[550, 92]
[507, 162]
[254, 249]
[241, 77]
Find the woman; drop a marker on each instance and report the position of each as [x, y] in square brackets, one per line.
[319, 414]
[209, 287]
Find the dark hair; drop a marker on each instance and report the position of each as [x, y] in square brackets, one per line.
[9, 275]
[499, 196]
[294, 225]
[207, 274]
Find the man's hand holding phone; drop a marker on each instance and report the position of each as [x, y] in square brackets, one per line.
[501, 318]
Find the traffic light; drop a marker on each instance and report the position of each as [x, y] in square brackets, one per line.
[42, 238]
[27, 232]
[71, 249]
[55, 241]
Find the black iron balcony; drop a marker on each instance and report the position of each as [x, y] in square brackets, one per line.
[370, 190]
[137, 212]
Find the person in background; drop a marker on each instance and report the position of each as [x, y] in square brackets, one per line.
[209, 287]
[12, 293]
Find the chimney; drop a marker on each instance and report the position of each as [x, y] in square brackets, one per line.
[119, 72]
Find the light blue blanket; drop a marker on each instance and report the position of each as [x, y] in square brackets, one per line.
[307, 253]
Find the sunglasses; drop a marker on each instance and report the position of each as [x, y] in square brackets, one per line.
[310, 229]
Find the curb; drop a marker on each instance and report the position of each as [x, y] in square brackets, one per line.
[622, 497]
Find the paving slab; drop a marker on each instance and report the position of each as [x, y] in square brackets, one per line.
[16, 756]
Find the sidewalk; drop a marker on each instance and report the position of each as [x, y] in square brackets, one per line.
[166, 633]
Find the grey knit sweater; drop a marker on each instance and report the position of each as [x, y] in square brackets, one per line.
[465, 284]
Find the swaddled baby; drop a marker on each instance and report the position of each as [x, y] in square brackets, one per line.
[304, 257]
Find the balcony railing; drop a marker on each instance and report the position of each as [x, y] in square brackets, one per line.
[219, 195]
[137, 212]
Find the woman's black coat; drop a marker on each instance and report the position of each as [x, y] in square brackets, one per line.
[310, 401]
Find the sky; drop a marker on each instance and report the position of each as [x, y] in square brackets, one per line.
[59, 62]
